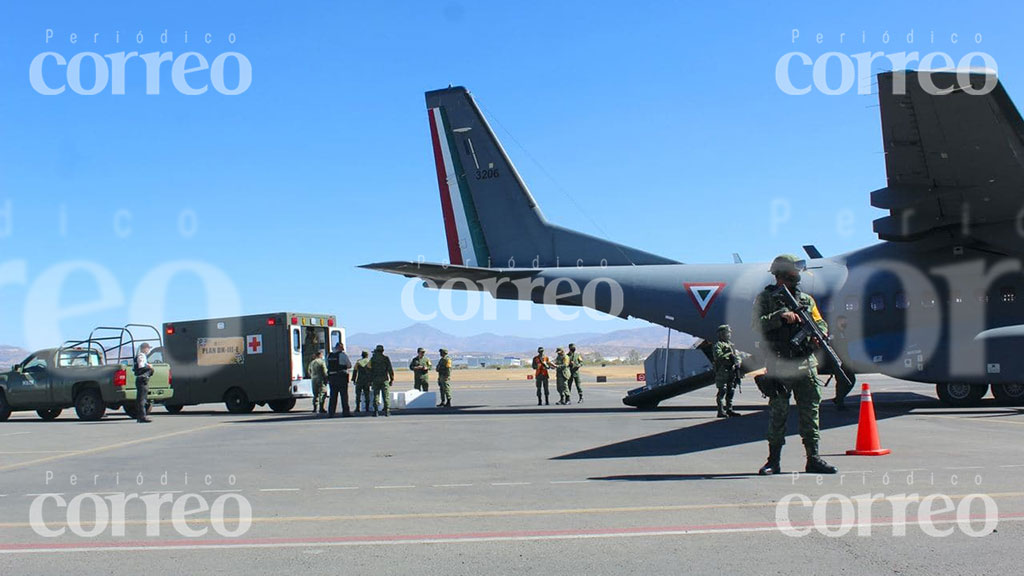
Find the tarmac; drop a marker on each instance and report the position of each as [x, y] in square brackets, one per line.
[499, 485]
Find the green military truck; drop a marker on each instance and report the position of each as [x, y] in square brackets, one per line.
[92, 375]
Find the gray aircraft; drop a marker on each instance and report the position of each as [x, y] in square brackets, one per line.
[935, 301]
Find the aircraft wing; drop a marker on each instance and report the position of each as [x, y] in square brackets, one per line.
[954, 154]
[441, 273]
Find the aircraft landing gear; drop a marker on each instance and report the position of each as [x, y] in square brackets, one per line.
[1009, 394]
[960, 394]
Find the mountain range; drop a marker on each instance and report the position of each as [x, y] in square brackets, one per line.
[11, 355]
[610, 345]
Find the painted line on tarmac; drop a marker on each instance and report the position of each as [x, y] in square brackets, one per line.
[339, 488]
[570, 481]
[451, 485]
[400, 487]
[14, 434]
[205, 491]
[280, 489]
[476, 537]
[109, 447]
[38, 452]
[520, 513]
[1012, 466]
[984, 419]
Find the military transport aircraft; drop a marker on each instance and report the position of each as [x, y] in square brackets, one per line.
[935, 301]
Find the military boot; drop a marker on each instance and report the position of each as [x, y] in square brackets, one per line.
[540, 401]
[773, 465]
[547, 400]
[731, 413]
[815, 465]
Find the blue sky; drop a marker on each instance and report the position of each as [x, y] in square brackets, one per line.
[662, 120]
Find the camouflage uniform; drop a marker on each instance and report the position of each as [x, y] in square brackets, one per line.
[562, 374]
[575, 363]
[841, 345]
[363, 379]
[726, 362]
[444, 378]
[382, 375]
[541, 363]
[420, 366]
[793, 367]
[318, 373]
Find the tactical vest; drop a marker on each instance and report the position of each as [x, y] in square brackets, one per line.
[379, 367]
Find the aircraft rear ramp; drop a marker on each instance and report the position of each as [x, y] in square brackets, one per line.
[687, 370]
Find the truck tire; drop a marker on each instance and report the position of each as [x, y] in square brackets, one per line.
[1009, 394]
[173, 408]
[5, 408]
[282, 405]
[238, 402]
[959, 394]
[89, 405]
[49, 414]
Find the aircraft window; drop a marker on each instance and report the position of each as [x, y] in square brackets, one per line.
[956, 298]
[851, 303]
[296, 341]
[1009, 294]
[902, 301]
[877, 303]
[928, 300]
[982, 297]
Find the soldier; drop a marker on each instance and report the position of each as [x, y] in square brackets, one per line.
[444, 378]
[575, 363]
[562, 375]
[541, 363]
[142, 371]
[317, 370]
[420, 366]
[363, 378]
[338, 366]
[842, 347]
[727, 366]
[791, 367]
[310, 347]
[383, 376]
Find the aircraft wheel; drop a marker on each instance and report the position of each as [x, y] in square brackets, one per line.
[89, 405]
[49, 414]
[238, 402]
[960, 394]
[282, 405]
[173, 408]
[1010, 394]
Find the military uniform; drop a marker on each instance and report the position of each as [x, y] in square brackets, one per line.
[575, 363]
[792, 366]
[726, 362]
[363, 379]
[318, 373]
[382, 375]
[420, 366]
[338, 365]
[541, 363]
[444, 378]
[562, 374]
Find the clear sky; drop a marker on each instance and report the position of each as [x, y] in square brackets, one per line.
[664, 121]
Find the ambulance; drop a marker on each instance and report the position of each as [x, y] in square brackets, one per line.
[245, 361]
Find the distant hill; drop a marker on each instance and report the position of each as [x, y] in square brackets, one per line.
[610, 345]
[11, 355]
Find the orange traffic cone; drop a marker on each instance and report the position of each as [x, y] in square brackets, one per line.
[867, 431]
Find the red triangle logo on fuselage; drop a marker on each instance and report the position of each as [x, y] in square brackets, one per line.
[703, 294]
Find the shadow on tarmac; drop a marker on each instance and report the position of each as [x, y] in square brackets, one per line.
[672, 477]
[751, 427]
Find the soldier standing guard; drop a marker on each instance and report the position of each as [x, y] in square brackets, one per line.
[383, 376]
[338, 365]
[444, 378]
[420, 366]
[363, 379]
[575, 363]
[791, 367]
[318, 373]
[727, 367]
[562, 374]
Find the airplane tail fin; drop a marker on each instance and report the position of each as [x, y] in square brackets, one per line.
[490, 217]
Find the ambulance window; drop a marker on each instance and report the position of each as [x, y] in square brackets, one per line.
[1009, 294]
[335, 339]
[851, 303]
[296, 341]
[902, 302]
[877, 303]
